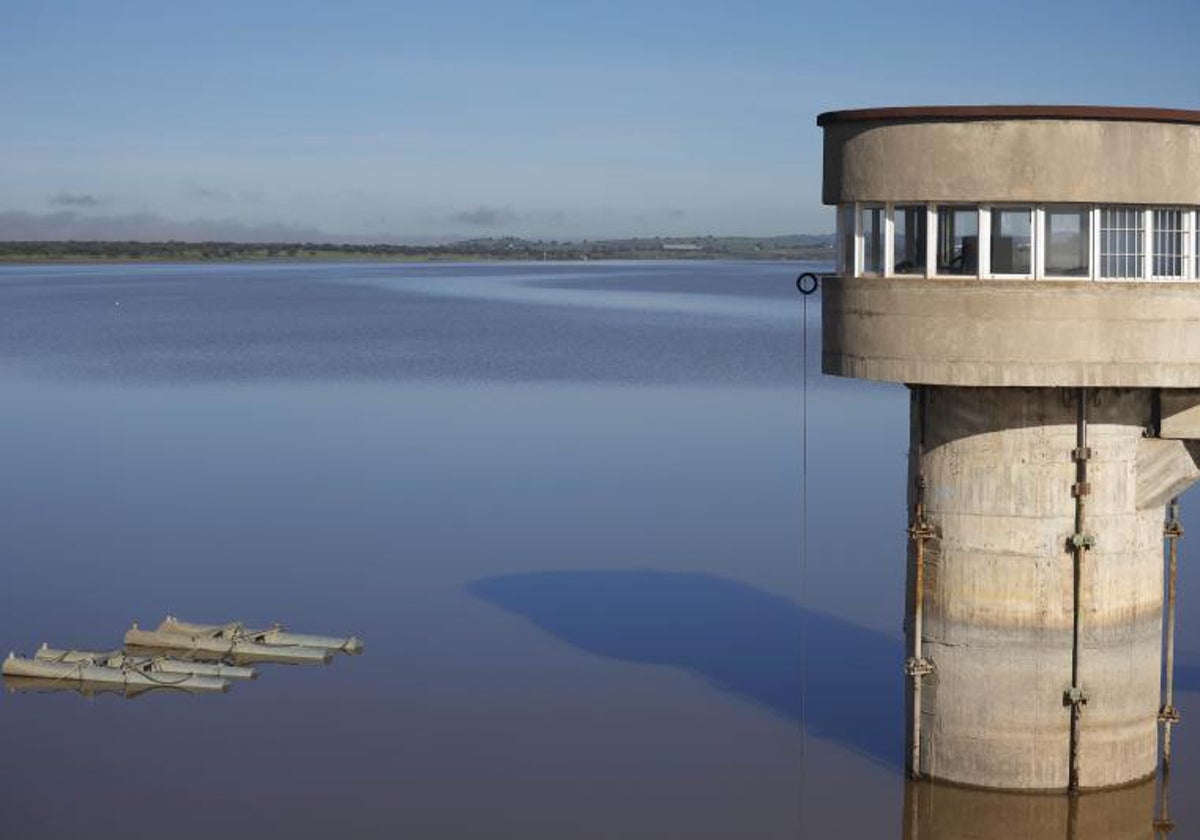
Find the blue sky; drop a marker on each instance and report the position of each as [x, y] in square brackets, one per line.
[545, 119]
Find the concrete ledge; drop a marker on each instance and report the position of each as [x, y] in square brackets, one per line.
[1012, 332]
[929, 158]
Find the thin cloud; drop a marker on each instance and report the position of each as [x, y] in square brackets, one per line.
[18, 226]
[486, 217]
[70, 199]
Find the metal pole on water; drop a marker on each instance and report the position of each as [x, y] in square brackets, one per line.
[1080, 542]
[919, 531]
[1169, 715]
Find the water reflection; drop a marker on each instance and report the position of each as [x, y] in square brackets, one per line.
[943, 812]
[86, 688]
[742, 640]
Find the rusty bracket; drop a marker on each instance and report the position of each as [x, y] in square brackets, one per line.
[1080, 489]
[918, 667]
[1081, 453]
[921, 531]
[1084, 541]
[1169, 714]
[1173, 529]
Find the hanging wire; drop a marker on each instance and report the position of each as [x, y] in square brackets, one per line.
[806, 284]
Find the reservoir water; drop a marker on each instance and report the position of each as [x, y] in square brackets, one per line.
[560, 503]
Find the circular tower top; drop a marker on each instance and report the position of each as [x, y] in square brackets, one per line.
[1051, 153]
[1015, 245]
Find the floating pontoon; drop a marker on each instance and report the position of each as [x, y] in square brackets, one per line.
[234, 643]
[154, 664]
[84, 673]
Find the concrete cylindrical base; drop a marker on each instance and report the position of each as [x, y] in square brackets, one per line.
[999, 602]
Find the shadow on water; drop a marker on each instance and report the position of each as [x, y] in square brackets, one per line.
[742, 640]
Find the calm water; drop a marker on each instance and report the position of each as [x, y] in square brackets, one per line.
[559, 502]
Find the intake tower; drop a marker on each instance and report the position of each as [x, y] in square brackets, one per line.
[1032, 274]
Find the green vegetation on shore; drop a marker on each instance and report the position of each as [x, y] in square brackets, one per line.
[796, 247]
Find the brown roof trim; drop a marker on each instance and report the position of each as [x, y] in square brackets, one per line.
[926, 113]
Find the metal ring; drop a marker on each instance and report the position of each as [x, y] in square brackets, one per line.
[807, 283]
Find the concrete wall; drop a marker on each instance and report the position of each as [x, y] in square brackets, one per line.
[998, 587]
[1023, 160]
[1012, 332]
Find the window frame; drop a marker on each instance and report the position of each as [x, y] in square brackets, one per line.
[934, 234]
[989, 217]
[1090, 220]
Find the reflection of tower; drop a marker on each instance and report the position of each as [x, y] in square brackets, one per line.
[934, 811]
[1033, 274]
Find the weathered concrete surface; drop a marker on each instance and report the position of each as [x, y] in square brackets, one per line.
[1180, 414]
[945, 812]
[998, 586]
[1012, 160]
[1012, 332]
[1165, 469]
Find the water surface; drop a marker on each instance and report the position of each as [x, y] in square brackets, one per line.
[561, 504]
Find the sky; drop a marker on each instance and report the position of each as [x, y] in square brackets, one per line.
[443, 119]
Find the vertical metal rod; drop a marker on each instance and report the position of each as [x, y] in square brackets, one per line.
[1079, 543]
[1169, 715]
[918, 629]
[1163, 824]
[917, 667]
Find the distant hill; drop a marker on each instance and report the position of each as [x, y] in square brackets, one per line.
[790, 247]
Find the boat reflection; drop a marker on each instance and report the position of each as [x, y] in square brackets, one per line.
[42, 685]
[934, 811]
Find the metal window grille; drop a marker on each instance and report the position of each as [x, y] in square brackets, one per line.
[1120, 242]
[1167, 233]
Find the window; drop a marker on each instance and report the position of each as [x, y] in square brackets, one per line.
[871, 227]
[1067, 241]
[958, 240]
[846, 235]
[1167, 257]
[909, 222]
[1121, 242]
[1012, 240]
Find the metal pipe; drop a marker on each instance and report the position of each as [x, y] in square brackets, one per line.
[917, 666]
[1080, 542]
[1169, 715]
[1163, 824]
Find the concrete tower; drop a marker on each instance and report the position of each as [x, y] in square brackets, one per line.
[1033, 275]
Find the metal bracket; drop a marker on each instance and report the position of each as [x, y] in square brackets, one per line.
[1173, 529]
[918, 667]
[1169, 714]
[1081, 453]
[1084, 541]
[921, 531]
[1080, 489]
[1074, 696]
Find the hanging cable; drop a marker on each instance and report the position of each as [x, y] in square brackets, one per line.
[806, 284]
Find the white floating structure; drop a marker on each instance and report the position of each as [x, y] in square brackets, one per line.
[83, 673]
[273, 635]
[232, 642]
[149, 664]
[198, 658]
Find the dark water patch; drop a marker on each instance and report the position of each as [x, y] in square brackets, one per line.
[742, 640]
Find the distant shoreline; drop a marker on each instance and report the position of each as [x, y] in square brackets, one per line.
[778, 248]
